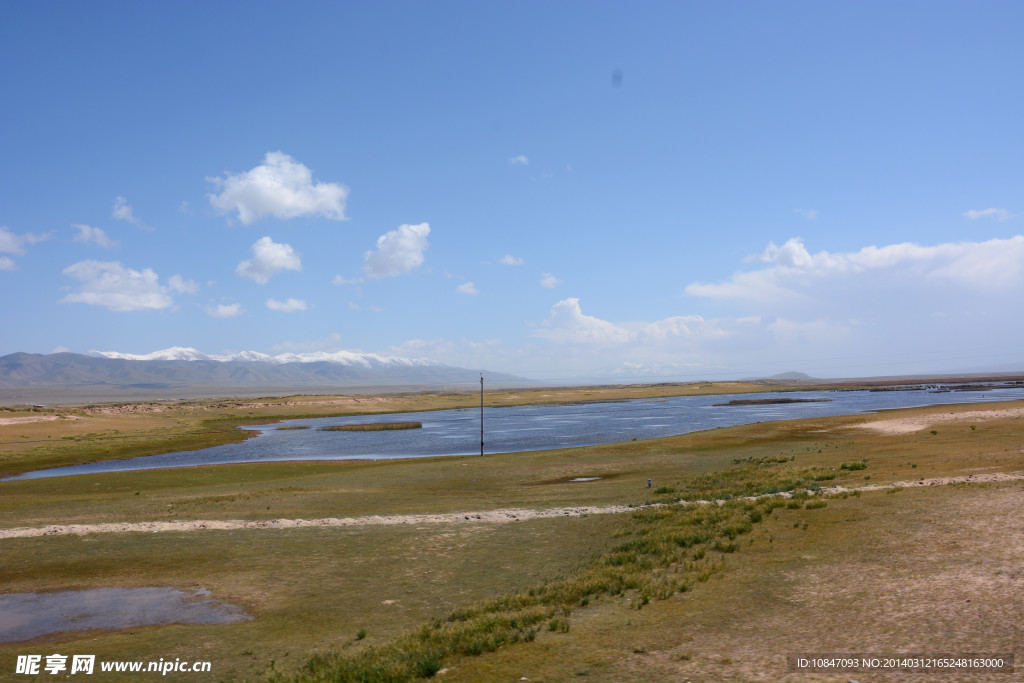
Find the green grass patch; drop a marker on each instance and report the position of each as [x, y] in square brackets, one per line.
[666, 550]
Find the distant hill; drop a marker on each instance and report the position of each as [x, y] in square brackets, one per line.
[791, 375]
[782, 376]
[190, 372]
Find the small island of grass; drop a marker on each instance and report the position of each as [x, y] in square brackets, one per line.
[771, 401]
[372, 427]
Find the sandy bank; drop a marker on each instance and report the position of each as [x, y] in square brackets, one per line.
[906, 425]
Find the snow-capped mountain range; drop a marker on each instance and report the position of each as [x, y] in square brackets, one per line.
[182, 371]
[343, 357]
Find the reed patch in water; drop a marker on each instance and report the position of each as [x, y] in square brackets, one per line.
[372, 427]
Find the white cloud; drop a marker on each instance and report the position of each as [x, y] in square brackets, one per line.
[793, 253]
[109, 284]
[88, 234]
[340, 280]
[268, 258]
[280, 187]
[998, 214]
[123, 212]
[11, 243]
[549, 281]
[180, 284]
[60, 349]
[398, 251]
[289, 306]
[467, 288]
[809, 214]
[510, 260]
[890, 309]
[224, 310]
[678, 326]
[520, 160]
[568, 324]
[15, 244]
[795, 273]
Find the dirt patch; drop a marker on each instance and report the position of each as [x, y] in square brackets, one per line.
[4, 421]
[907, 425]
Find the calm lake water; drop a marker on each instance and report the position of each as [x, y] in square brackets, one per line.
[24, 616]
[527, 428]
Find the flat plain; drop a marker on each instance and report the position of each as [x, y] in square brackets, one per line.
[701, 592]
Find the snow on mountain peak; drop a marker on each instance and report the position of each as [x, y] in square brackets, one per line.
[341, 357]
[173, 353]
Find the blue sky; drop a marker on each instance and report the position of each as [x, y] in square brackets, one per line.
[559, 190]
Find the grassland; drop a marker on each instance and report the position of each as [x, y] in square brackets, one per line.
[707, 593]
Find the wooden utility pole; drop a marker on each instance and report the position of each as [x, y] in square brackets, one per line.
[481, 414]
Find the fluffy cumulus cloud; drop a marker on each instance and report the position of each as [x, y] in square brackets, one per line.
[112, 285]
[467, 288]
[997, 214]
[280, 187]
[289, 306]
[224, 310]
[510, 260]
[398, 251]
[568, 324]
[89, 235]
[268, 258]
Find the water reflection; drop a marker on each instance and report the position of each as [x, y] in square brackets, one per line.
[24, 616]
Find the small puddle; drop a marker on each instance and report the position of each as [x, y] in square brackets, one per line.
[584, 479]
[24, 616]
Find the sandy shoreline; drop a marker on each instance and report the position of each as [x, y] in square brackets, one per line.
[905, 425]
[501, 516]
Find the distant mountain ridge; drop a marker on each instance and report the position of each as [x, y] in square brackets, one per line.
[188, 368]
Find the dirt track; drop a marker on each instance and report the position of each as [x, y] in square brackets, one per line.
[480, 517]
